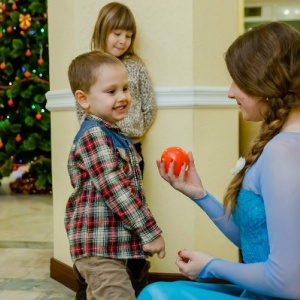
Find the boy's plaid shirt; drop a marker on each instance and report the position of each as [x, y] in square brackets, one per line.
[106, 215]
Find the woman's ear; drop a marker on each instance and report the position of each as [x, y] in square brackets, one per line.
[81, 98]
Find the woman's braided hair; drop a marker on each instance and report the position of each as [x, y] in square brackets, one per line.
[265, 62]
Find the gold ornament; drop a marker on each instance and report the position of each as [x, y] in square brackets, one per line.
[25, 21]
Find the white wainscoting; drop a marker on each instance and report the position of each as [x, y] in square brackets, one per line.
[167, 97]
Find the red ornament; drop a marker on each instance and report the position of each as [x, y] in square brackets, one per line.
[1, 144]
[2, 66]
[175, 154]
[10, 102]
[3, 7]
[15, 168]
[38, 116]
[40, 61]
[28, 53]
[14, 7]
[1, 34]
[9, 29]
[27, 74]
[18, 138]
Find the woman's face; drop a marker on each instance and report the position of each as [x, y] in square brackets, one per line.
[252, 108]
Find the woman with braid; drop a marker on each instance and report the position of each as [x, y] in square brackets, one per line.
[260, 213]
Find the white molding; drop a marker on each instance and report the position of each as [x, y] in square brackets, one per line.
[167, 97]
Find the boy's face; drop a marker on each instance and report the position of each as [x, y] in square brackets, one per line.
[109, 97]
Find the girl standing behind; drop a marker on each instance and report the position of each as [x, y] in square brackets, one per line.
[115, 33]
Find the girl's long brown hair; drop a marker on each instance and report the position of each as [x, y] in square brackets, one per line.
[265, 62]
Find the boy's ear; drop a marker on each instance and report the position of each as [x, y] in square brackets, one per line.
[81, 98]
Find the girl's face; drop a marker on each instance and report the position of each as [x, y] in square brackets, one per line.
[118, 42]
[252, 108]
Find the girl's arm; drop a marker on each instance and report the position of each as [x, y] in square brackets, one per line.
[143, 107]
[147, 97]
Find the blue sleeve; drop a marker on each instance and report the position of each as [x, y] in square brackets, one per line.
[276, 177]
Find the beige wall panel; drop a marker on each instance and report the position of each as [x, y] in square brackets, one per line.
[164, 38]
[179, 50]
[62, 37]
[171, 209]
[248, 131]
[215, 152]
[64, 126]
[215, 27]
[216, 146]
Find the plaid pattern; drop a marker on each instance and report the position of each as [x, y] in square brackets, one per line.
[106, 215]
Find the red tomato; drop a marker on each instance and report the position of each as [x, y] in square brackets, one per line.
[178, 155]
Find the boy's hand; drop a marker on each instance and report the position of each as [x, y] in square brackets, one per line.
[157, 246]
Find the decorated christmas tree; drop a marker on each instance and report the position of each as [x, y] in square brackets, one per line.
[24, 80]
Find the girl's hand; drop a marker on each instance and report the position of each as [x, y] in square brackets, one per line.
[188, 182]
[190, 263]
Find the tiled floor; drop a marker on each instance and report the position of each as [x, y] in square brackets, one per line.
[26, 246]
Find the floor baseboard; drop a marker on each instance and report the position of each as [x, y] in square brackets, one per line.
[63, 273]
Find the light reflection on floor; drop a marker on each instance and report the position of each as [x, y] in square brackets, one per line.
[26, 246]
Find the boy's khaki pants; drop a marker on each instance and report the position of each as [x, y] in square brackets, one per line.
[107, 278]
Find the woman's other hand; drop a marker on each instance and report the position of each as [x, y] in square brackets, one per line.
[190, 263]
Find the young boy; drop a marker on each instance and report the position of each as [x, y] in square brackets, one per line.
[107, 219]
